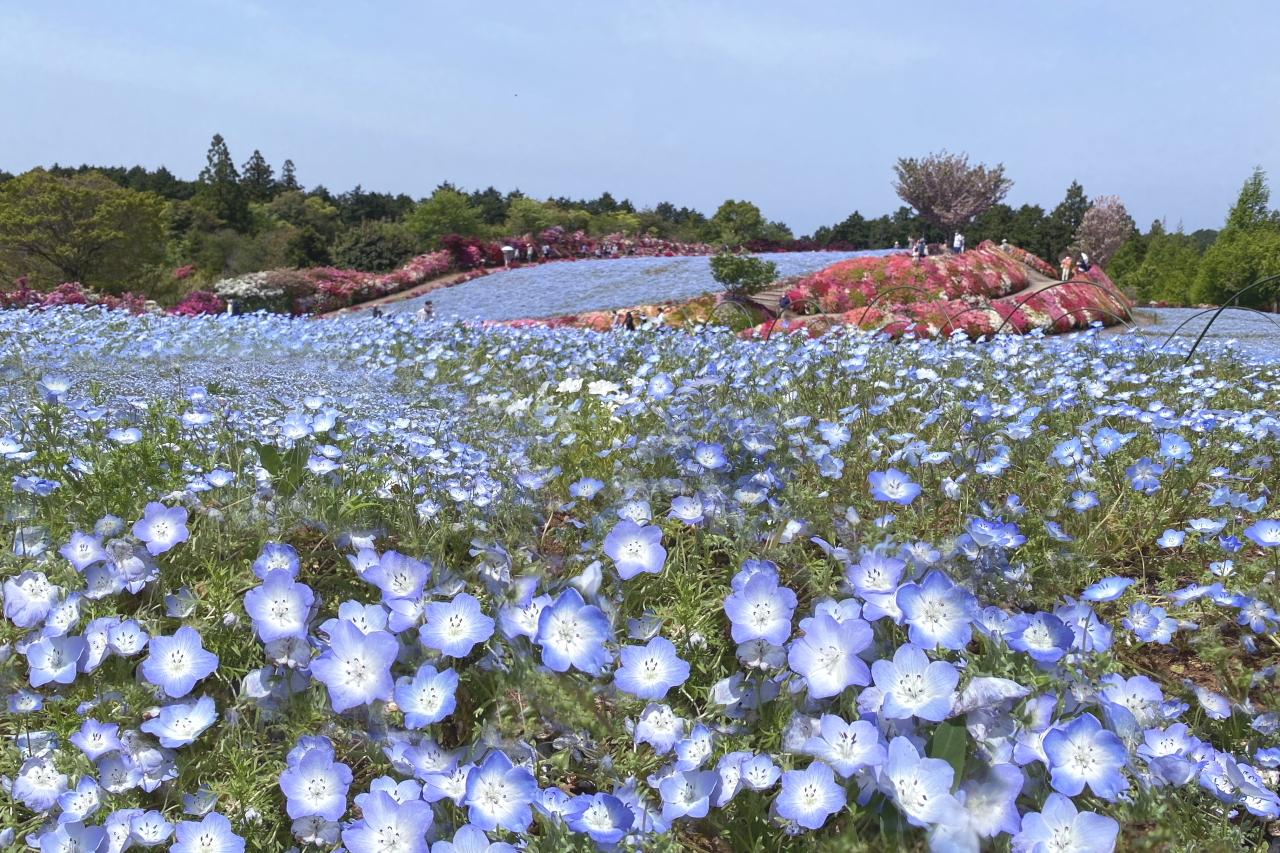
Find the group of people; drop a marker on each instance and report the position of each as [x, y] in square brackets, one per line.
[1070, 266]
[919, 246]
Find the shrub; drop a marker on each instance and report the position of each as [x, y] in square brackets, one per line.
[374, 247]
[743, 275]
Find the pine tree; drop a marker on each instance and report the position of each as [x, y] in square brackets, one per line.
[220, 191]
[1065, 219]
[1252, 207]
[288, 180]
[258, 178]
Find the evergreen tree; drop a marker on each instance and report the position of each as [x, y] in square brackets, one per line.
[288, 179]
[220, 192]
[1252, 207]
[258, 178]
[1245, 252]
[1064, 221]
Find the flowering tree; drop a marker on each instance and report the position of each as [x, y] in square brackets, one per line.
[1105, 228]
[946, 190]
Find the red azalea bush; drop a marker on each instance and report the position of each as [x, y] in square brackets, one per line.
[199, 302]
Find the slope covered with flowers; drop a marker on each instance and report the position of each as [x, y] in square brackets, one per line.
[326, 585]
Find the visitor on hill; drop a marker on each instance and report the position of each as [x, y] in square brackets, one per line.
[629, 322]
[924, 248]
[957, 243]
[1085, 264]
[508, 255]
[1004, 245]
[1068, 266]
[427, 311]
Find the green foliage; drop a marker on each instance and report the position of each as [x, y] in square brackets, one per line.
[529, 216]
[1167, 269]
[1064, 221]
[374, 247]
[258, 178]
[743, 274]
[83, 228]
[738, 222]
[446, 212]
[1247, 250]
[220, 191]
[307, 247]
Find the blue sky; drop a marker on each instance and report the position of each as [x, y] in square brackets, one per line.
[802, 107]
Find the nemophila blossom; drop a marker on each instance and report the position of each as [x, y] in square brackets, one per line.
[96, 739]
[693, 751]
[827, 655]
[521, 620]
[635, 548]
[572, 633]
[213, 834]
[758, 772]
[688, 793]
[279, 607]
[180, 724]
[83, 550]
[386, 826]
[1171, 539]
[846, 747]
[455, 627]
[161, 527]
[602, 817]
[938, 612]
[586, 488]
[1107, 589]
[500, 794]
[1058, 826]
[276, 556]
[914, 686]
[811, 796]
[127, 638]
[38, 783]
[149, 828]
[1144, 475]
[659, 727]
[651, 670]
[316, 785]
[1174, 448]
[356, 668]
[1264, 533]
[690, 510]
[81, 801]
[710, 456]
[470, 839]
[1089, 633]
[893, 486]
[428, 697]
[398, 576]
[761, 610]
[1150, 624]
[1082, 753]
[990, 809]
[175, 663]
[55, 659]
[1041, 636]
[73, 836]
[28, 598]
[920, 787]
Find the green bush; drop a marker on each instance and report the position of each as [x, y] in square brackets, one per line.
[743, 275]
[374, 247]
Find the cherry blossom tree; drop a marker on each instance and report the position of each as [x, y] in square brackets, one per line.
[945, 189]
[1105, 228]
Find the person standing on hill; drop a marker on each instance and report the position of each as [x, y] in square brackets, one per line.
[957, 243]
[1068, 266]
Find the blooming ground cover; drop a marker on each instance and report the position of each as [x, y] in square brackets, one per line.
[394, 586]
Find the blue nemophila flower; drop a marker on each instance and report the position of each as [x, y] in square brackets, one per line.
[428, 697]
[127, 638]
[603, 817]
[893, 486]
[388, 825]
[693, 751]
[161, 527]
[710, 456]
[1171, 539]
[1107, 589]
[176, 663]
[914, 686]
[28, 598]
[990, 809]
[659, 727]
[213, 834]
[810, 796]
[846, 747]
[1059, 826]
[1168, 753]
[356, 668]
[149, 828]
[1089, 633]
[920, 787]
[938, 612]
[758, 772]
[687, 793]
[687, 509]
[180, 724]
[398, 576]
[316, 785]
[1082, 501]
[586, 488]
[72, 835]
[1042, 636]
[827, 654]
[761, 610]
[455, 627]
[83, 550]
[1083, 753]
[1150, 624]
[279, 607]
[1144, 475]
[1174, 448]
[500, 794]
[276, 556]
[470, 839]
[96, 739]
[81, 801]
[651, 670]
[1264, 533]
[55, 659]
[635, 548]
[39, 783]
[573, 633]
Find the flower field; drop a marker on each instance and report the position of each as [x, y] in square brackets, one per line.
[272, 584]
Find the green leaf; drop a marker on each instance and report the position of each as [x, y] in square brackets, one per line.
[951, 743]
